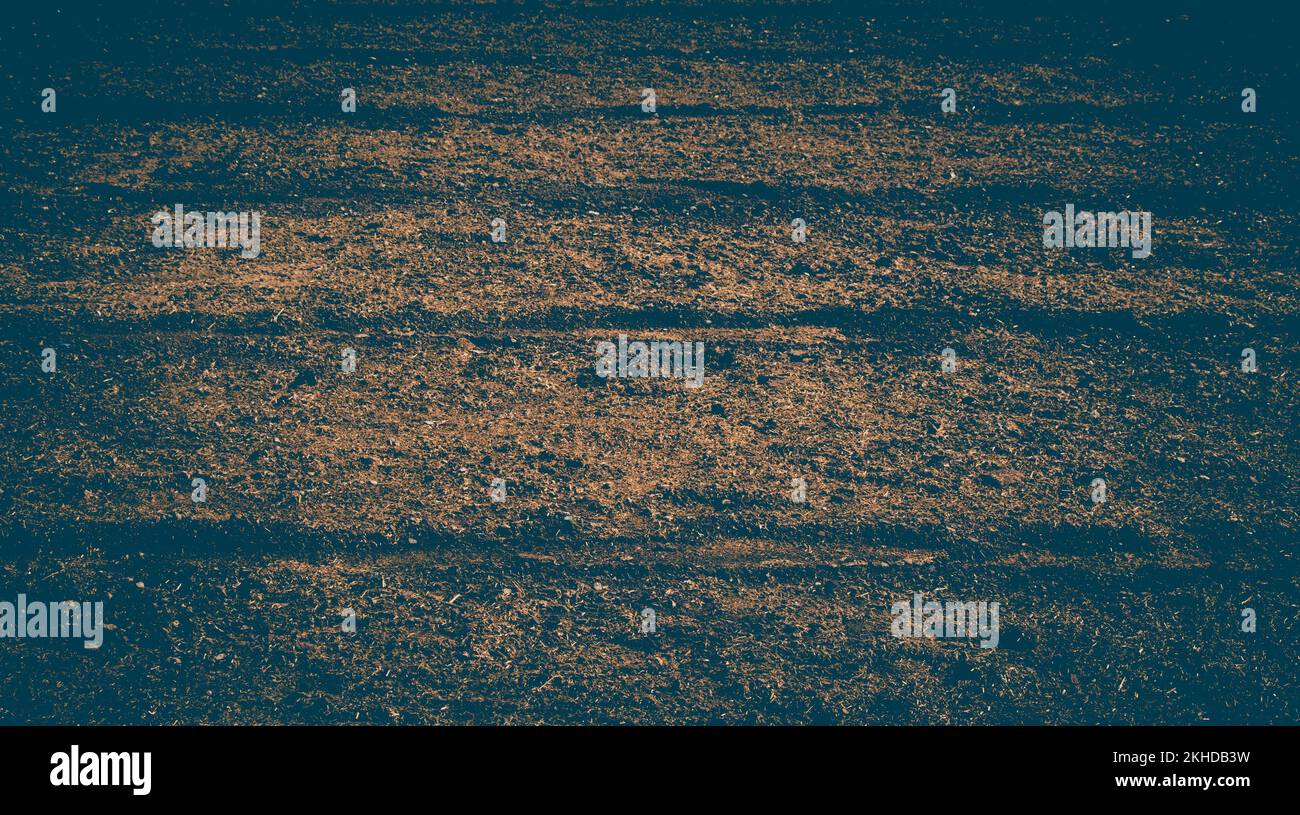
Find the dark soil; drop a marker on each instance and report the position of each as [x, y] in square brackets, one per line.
[370, 491]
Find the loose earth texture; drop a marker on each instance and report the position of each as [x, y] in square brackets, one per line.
[368, 491]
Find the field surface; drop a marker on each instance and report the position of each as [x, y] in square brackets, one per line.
[369, 491]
